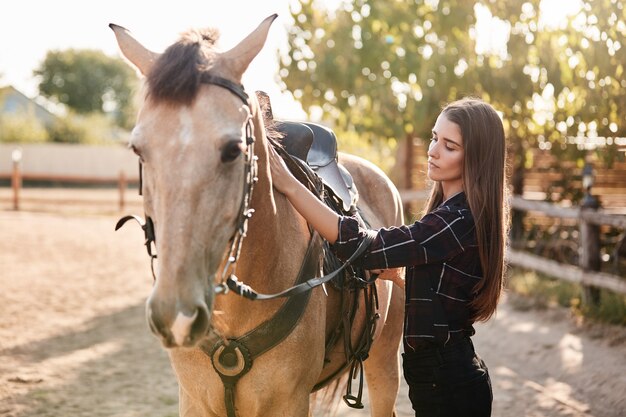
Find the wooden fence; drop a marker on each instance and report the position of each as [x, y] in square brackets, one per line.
[121, 182]
[64, 164]
[589, 220]
[587, 272]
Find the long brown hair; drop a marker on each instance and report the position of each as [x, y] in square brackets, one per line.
[485, 188]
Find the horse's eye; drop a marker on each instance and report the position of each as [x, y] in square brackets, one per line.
[231, 150]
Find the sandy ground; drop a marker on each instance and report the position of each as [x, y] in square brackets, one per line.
[74, 342]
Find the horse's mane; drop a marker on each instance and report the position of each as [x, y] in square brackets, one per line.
[176, 75]
[271, 131]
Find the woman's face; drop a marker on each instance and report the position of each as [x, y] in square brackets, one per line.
[445, 156]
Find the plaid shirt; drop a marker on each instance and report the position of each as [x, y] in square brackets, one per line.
[440, 248]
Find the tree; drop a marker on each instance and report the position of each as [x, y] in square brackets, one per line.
[380, 68]
[88, 81]
[385, 68]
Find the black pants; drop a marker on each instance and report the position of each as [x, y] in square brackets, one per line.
[449, 381]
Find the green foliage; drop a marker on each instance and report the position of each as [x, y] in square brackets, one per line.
[88, 81]
[384, 69]
[91, 129]
[379, 153]
[21, 128]
[541, 291]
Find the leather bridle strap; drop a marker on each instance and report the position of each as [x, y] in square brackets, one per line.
[246, 291]
[233, 358]
[236, 89]
[250, 178]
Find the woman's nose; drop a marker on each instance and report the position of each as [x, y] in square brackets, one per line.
[432, 150]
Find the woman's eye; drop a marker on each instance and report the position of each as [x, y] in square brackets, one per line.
[231, 150]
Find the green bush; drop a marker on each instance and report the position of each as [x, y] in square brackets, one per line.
[543, 291]
[93, 128]
[21, 128]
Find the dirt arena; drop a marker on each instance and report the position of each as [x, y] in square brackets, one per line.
[74, 342]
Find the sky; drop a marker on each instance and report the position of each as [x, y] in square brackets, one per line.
[29, 28]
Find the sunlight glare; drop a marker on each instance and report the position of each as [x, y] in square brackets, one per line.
[571, 349]
[491, 33]
[553, 14]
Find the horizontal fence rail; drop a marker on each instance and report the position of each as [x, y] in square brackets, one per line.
[579, 274]
[597, 217]
[565, 272]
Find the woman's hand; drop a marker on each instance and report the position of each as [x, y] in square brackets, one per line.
[316, 213]
[282, 179]
[395, 275]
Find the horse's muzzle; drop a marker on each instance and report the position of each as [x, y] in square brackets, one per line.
[177, 327]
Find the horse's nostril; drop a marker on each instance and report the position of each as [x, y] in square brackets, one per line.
[153, 321]
[200, 325]
[188, 329]
[177, 326]
[181, 328]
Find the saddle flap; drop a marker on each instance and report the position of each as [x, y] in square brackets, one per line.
[333, 175]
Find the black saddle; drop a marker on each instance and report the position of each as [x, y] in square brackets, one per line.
[317, 146]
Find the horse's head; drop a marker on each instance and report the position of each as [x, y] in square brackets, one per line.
[191, 136]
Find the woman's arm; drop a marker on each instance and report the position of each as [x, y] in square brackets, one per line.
[316, 213]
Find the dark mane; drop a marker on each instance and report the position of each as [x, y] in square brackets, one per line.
[271, 131]
[176, 75]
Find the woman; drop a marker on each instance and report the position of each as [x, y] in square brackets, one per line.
[454, 257]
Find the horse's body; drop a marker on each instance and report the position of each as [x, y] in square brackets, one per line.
[192, 146]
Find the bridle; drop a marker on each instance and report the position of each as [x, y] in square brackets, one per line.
[250, 178]
[254, 343]
[228, 279]
[245, 211]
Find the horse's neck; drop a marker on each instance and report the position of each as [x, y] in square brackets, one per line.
[274, 228]
[275, 225]
[271, 253]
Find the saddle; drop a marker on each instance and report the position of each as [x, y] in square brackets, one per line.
[317, 146]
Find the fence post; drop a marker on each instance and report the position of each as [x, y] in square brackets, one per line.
[589, 238]
[122, 189]
[408, 171]
[16, 177]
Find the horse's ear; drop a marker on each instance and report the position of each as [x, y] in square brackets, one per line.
[134, 51]
[239, 57]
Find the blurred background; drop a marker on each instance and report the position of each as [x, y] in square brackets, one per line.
[378, 73]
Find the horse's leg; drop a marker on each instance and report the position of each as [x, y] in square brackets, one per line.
[382, 369]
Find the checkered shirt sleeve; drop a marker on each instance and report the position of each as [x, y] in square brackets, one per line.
[439, 235]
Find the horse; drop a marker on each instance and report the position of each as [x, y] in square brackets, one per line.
[203, 144]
